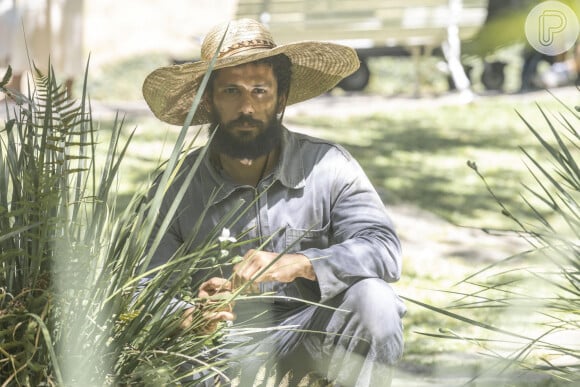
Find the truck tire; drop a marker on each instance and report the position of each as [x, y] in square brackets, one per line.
[493, 76]
[358, 80]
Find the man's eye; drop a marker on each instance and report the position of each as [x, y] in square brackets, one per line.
[260, 90]
[231, 90]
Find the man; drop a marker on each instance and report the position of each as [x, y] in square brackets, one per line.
[317, 234]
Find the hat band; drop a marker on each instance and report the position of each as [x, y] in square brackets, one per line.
[243, 45]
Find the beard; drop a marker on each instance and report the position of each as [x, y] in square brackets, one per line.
[246, 146]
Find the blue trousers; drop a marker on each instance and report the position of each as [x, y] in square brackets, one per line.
[353, 340]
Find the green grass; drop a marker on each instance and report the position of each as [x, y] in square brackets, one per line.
[420, 156]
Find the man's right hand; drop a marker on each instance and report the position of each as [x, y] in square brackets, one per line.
[214, 309]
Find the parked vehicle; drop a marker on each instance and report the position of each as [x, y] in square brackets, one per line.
[504, 27]
[372, 27]
[415, 28]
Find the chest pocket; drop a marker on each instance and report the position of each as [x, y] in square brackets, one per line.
[299, 240]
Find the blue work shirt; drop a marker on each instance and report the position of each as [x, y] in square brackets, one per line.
[317, 201]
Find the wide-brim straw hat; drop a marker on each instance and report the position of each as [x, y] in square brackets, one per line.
[316, 68]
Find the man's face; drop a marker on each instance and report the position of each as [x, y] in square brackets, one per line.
[244, 103]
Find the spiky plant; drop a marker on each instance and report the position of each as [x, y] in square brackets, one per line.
[73, 307]
[37, 178]
[532, 299]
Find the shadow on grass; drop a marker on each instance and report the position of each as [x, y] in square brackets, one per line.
[416, 161]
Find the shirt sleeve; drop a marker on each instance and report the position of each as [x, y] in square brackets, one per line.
[170, 241]
[363, 241]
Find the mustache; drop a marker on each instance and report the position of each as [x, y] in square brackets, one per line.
[245, 119]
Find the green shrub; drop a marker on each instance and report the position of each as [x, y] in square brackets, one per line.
[70, 266]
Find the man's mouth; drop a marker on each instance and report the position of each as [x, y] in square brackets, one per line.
[246, 123]
[245, 128]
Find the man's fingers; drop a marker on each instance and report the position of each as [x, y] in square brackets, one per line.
[214, 319]
[246, 269]
[254, 263]
[249, 287]
[217, 306]
[210, 318]
[214, 286]
[246, 274]
[221, 316]
[187, 318]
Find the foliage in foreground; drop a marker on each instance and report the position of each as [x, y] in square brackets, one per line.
[70, 266]
[532, 298]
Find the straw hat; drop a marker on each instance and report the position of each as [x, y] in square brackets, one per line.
[316, 68]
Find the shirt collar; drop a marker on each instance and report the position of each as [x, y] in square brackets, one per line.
[289, 171]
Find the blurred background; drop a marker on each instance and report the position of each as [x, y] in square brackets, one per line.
[417, 48]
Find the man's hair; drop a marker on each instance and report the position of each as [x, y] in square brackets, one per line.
[281, 66]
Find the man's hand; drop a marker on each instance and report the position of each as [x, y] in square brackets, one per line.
[213, 306]
[286, 267]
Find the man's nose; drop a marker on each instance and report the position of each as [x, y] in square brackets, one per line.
[247, 104]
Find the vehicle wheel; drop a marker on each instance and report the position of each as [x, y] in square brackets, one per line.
[358, 80]
[493, 76]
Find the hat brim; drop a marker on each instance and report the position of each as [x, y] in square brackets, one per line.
[316, 68]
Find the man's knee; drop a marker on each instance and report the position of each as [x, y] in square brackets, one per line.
[375, 299]
[378, 311]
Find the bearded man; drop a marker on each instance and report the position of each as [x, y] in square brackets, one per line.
[320, 245]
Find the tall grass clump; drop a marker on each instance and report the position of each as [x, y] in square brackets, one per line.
[75, 309]
[531, 299]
